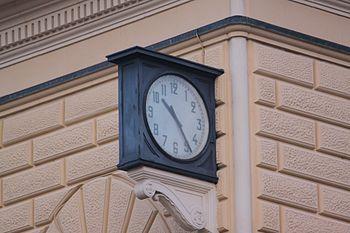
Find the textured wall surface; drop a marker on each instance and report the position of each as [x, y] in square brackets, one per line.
[55, 156]
[216, 55]
[58, 156]
[54, 161]
[300, 137]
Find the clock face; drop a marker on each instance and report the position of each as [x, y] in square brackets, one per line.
[177, 117]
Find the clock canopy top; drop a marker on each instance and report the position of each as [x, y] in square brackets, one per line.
[140, 52]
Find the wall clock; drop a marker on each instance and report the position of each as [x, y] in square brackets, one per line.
[166, 113]
[177, 117]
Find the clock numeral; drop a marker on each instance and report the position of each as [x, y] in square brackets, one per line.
[150, 111]
[193, 105]
[194, 139]
[155, 129]
[175, 147]
[165, 138]
[186, 148]
[156, 96]
[186, 96]
[173, 87]
[199, 125]
[163, 89]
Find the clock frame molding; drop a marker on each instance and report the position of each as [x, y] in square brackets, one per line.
[138, 68]
[148, 126]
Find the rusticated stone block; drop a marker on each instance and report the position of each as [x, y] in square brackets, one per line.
[16, 218]
[141, 214]
[39, 230]
[222, 151]
[221, 120]
[15, 158]
[94, 200]
[222, 187]
[175, 227]
[93, 162]
[288, 190]
[107, 127]
[158, 225]
[216, 56]
[286, 127]
[1, 201]
[314, 104]
[120, 198]
[221, 86]
[223, 216]
[333, 140]
[32, 182]
[44, 206]
[1, 132]
[195, 56]
[265, 91]
[32, 122]
[97, 99]
[335, 203]
[284, 65]
[53, 228]
[297, 222]
[269, 217]
[63, 142]
[267, 152]
[69, 216]
[333, 78]
[315, 166]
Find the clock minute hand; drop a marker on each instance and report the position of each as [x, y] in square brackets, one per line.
[180, 126]
[178, 123]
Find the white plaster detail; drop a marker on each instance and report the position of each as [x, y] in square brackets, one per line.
[191, 202]
[68, 24]
[237, 7]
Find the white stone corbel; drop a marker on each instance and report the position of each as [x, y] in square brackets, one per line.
[191, 202]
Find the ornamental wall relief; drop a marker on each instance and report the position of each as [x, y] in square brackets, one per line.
[108, 204]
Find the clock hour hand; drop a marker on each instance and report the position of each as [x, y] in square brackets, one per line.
[172, 113]
[178, 123]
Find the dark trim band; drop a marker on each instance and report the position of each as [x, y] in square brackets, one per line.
[230, 21]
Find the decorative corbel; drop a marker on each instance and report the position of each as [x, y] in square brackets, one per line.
[189, 217]
[191, 202]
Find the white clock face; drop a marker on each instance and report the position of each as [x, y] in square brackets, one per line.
[177, 117]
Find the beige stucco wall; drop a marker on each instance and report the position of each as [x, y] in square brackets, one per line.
[299, 120]
[54, 150]
[91, 51]
[301, 18]
[300, 141]
[50, 158]
[58, 151]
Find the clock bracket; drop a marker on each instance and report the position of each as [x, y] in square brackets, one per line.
[190, 201]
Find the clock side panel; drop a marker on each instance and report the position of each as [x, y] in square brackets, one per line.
[129, 137]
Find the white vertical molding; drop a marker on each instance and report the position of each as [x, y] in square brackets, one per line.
[241, 144]
[237, 7]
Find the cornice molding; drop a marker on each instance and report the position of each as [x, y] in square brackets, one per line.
[339, 7]
[229, 27]
[13, 12]
[70, 24]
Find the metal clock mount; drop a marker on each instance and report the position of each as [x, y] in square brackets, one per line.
[167, 132]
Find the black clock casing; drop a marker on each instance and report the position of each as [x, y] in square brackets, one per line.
[137, 69]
